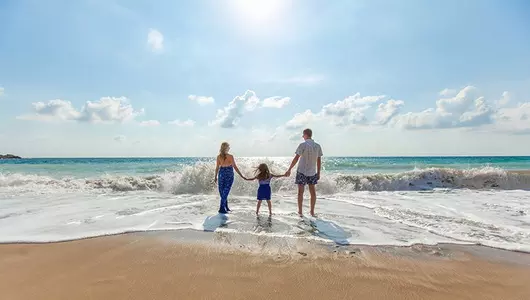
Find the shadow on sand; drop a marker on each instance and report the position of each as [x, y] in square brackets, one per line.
[327, 230]
[213, 222]
[263, 224]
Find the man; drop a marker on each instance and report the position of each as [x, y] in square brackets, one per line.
[308, 172]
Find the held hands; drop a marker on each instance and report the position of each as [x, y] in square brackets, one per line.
[288, 173]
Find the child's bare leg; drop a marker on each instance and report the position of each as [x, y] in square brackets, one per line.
[258, 206]
[269, 203]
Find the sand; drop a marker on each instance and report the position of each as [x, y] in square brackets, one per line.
[144, 267]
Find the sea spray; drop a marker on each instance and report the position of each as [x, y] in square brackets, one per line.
[199, 179]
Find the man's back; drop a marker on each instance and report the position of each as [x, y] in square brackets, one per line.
[309, 152]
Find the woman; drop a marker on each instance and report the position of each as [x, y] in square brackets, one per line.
[224, 168]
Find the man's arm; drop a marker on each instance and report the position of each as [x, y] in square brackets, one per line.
[319, 166]
[293, 163]
[319, 162]
[298, 152]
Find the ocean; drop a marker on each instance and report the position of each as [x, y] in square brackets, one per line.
[361, 200]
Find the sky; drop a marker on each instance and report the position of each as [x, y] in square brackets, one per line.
[91, 78]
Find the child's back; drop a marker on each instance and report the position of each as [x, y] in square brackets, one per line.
[264, 177]
[264, 189]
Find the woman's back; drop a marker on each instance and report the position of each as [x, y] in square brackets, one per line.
[226, 161]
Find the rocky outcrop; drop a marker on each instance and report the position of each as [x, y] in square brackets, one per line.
[9, 156]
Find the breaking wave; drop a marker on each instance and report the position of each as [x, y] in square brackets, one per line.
[198, 179]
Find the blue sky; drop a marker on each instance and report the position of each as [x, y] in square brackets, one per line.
[175, 78]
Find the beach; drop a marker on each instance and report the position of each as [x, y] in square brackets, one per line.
[136, 266]
[148, 228]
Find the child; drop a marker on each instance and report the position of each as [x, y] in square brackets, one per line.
[264, 176]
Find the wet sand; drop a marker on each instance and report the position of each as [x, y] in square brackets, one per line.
[147, 267]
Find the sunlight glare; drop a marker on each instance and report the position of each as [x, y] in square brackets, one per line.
[258, 11]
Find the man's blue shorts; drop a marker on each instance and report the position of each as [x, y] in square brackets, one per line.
[303, 179]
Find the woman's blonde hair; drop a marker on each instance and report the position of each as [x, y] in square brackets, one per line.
[223, 151]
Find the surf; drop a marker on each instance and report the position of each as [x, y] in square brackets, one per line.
[198, 179]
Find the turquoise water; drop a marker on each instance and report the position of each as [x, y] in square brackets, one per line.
[89, 167]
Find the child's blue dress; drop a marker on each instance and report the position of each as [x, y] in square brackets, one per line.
[264, 190]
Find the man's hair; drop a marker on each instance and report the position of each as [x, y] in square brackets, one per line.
[308, 132]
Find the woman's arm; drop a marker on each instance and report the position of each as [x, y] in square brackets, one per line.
[216, 169]
[236, 168]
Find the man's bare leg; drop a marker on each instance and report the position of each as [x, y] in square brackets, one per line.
[301, 188]
[313, 192]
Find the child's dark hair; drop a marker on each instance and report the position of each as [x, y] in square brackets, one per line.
[263, 172]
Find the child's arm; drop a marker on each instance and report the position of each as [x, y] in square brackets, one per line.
[277, 176]
[249, 179]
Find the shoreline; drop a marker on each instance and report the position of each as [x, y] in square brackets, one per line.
[161, 266]
[210, 239]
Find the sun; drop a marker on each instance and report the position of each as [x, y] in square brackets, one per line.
[258, 11]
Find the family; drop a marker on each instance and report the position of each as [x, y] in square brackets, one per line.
[308, 156]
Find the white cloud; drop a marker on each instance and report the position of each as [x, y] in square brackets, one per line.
[1, 91]
[155, 40]
[276, 102]
[105, 110]
[301, 120]
[351, 110]
[120, 138]
[58, 110]
[447, 93]
[295, 136]
[457, 104]
[504, 100]
[109, 109]
[186, 123]
[481, 114]
[514, 119]
[201, 100]
[230, 115]
[419, 120]
[387, 111]
[465, 109]
[150, 123]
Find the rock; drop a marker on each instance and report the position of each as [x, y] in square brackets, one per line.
[9, 156]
